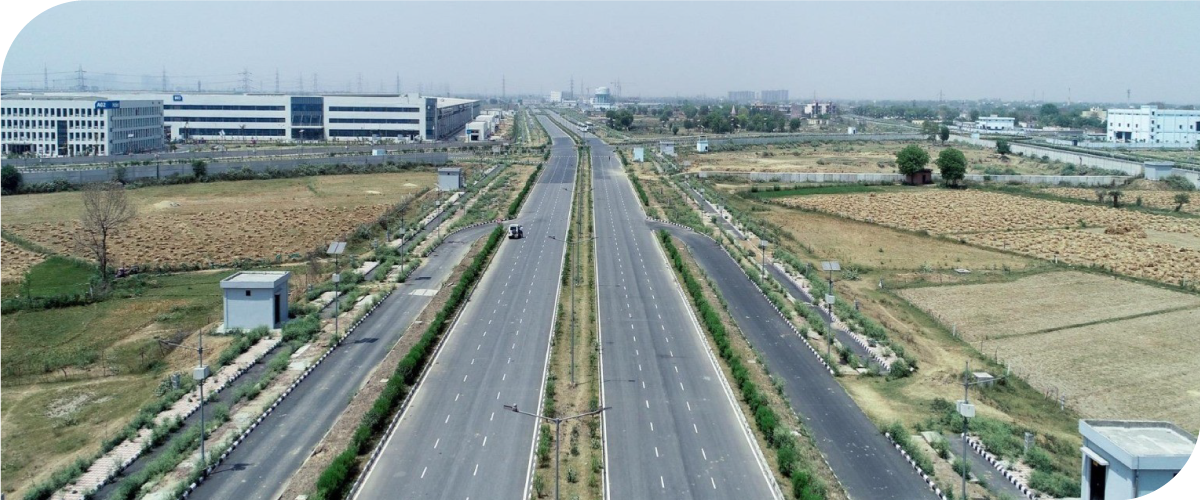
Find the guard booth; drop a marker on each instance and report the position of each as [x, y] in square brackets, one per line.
[639, 154]
[255, 298]
[702, 145]
[450, 179]
[1125, 459]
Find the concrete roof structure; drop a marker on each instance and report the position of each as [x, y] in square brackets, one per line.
[1141, 444]
[255, 279]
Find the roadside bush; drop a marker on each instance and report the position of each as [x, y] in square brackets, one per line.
[514, 208]
[1054, 484]
[1178, 182]
[340, 474]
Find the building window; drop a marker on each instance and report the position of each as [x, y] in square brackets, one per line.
[373, 109]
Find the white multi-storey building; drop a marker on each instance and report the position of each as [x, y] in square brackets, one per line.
[284, 117]
[83, 125]
[1155, 127]
[996, 123]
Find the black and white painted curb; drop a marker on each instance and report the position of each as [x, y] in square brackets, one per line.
[977, 445]
[928, 480]
[858, 338]
[279, 399]
[112, 473]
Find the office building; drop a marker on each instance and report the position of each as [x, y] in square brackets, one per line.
[1150, 126]
[773, 96]
[83, 125]
[741, 95]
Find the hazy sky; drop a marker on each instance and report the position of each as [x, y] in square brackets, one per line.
[845, 50]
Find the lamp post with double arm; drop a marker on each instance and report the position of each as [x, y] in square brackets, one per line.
[557, 433]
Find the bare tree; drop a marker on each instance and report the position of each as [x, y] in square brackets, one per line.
[106, 209]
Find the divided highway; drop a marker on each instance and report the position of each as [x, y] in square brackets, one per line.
[261, 467]
[455, 440]
[674, 430]
[862, 458]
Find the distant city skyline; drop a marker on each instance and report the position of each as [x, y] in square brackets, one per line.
[883, 51]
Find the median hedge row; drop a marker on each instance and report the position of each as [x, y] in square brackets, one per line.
[514, 208]
[805, 485]
[336, 479]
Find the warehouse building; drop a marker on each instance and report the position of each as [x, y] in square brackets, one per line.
[83, 125]
[996, 123]
[1155, 127]
[285, 117]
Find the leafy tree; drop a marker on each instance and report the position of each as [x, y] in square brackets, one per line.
[1002, 147]
[929, 129]
[1181, 199]
[1116, 195]
[953, 164]
[794, 124]
[974, 115]
[199, 169]
[944, 133]
[1048, 111]
[912, 159]
[10, 179]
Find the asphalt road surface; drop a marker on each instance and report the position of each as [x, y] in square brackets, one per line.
[674, 429]
[864, 461]
[455, 440]
[261, 466]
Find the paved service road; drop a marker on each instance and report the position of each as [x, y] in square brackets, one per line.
[862, 458]
[674, 430]
[455, 440]
[261, 466]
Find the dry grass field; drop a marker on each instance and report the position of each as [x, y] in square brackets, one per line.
[14, 261]
[1041, 302]
[1157, 247]
[1160, 199]
[869, 157]
[1104, 343]
[221, 222]
[869, 245]
[1139, 368]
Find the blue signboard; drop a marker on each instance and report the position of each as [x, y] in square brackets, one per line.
[177, 98]
[108, 104]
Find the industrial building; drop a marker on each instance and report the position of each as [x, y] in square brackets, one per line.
[83, 125]
[254, 299]
[1127, 459]
[1154, 127]
[285, 117]
[996, 123]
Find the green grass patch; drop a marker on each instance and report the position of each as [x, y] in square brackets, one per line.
[58, 276]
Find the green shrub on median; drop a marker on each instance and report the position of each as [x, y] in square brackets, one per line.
[336, 479]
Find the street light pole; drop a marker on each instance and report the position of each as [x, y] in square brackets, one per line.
[557, 436]
[573, 279]
[199, 375]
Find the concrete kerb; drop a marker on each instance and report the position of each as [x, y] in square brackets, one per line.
[279, 399]
[928, 481]
[977, 445]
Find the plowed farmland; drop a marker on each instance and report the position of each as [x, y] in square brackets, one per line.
[1078, 234]
[220, 222]
[1154, 199]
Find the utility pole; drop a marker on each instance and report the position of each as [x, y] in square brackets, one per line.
[557, 436]
[397, 83]
[199, 374]
[81, 81]
[276, 80]
[245, 80]
[198, 85]
[164, 79]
